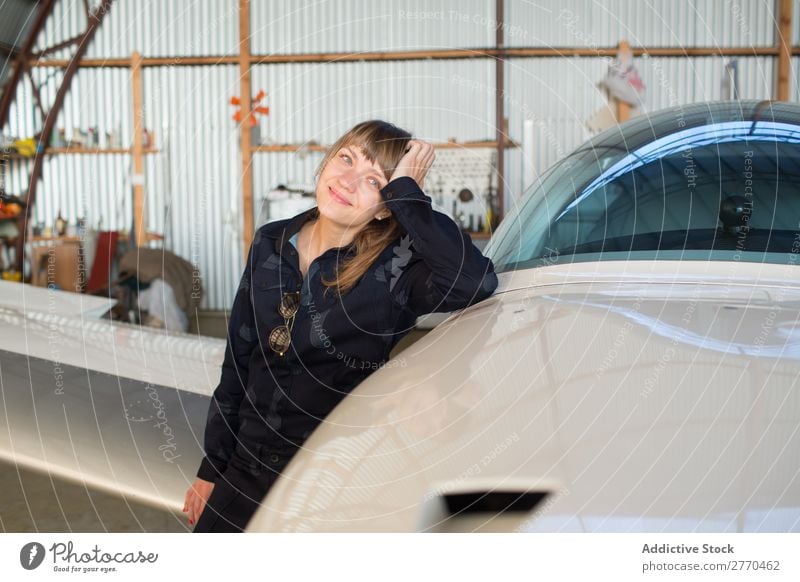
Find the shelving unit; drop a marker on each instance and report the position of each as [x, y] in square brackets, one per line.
[323, 148]
[123, 237]
[78, 151]
[137, 151]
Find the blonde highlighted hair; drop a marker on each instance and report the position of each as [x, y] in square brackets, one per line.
[385, 144]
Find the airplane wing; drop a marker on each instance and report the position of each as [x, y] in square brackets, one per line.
[115, 406]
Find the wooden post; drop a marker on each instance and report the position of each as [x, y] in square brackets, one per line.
[623, 109]
[783, 44]
[499, 115]
[244, 96]
[139, 223]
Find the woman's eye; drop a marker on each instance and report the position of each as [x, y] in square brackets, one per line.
[374, 182]
[346, 158]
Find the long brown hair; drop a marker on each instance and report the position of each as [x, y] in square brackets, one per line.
[386, 144]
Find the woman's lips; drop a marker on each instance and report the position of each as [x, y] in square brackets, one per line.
[338, 197]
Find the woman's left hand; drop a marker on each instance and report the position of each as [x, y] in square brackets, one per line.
[416, 162]
[196, 498]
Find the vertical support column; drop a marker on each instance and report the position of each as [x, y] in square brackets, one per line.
[244, 96]
[139, 223]
[783, 44]
[500, 124]
[48, 123]
[623, 109]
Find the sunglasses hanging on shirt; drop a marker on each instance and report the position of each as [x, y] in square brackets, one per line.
[281, 337]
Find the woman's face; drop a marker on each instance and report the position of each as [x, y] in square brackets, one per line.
[348, 189]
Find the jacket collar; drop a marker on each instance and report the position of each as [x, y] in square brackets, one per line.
[282, 235]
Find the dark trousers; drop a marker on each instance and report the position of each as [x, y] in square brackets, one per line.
[237, 495]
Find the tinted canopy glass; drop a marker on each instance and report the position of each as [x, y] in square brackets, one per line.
[710, 182]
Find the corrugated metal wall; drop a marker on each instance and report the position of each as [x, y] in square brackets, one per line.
[192, 185]
[14, 25]
[682, 23]
[286, 26]
[795, 73]
[560, 95]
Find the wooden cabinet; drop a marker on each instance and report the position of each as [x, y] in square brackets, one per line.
[58, 261]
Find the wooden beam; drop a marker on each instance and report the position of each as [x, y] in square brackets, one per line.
[57, 47]
[783, 43]
[139, 219]
[123, 63]
[448, 54]
[519, 52]
[37, 96]
[245, 139]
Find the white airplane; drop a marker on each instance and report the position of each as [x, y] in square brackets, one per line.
[637, 370]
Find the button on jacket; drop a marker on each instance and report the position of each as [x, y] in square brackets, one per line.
[267, 404]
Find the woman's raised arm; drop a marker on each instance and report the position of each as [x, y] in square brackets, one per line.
[444, 270]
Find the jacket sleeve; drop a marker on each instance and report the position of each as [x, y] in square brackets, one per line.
[443, 271]
[222, 424]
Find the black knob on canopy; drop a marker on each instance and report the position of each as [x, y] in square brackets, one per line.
[735, 211]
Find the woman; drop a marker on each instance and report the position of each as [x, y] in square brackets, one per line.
[323, 299]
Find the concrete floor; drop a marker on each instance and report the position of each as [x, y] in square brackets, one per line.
[210, 323]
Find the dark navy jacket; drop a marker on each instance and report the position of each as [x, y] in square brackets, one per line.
[266, 403]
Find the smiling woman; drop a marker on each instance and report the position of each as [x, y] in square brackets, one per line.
[349, 185]
[324, 298]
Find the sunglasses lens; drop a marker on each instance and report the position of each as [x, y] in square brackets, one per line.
[290, 303]
[279, 339]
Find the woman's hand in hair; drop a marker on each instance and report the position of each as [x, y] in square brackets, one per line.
[416, 162]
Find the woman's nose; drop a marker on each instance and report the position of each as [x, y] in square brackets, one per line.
[349, 180]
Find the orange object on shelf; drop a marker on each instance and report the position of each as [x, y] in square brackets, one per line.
[9, 210]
